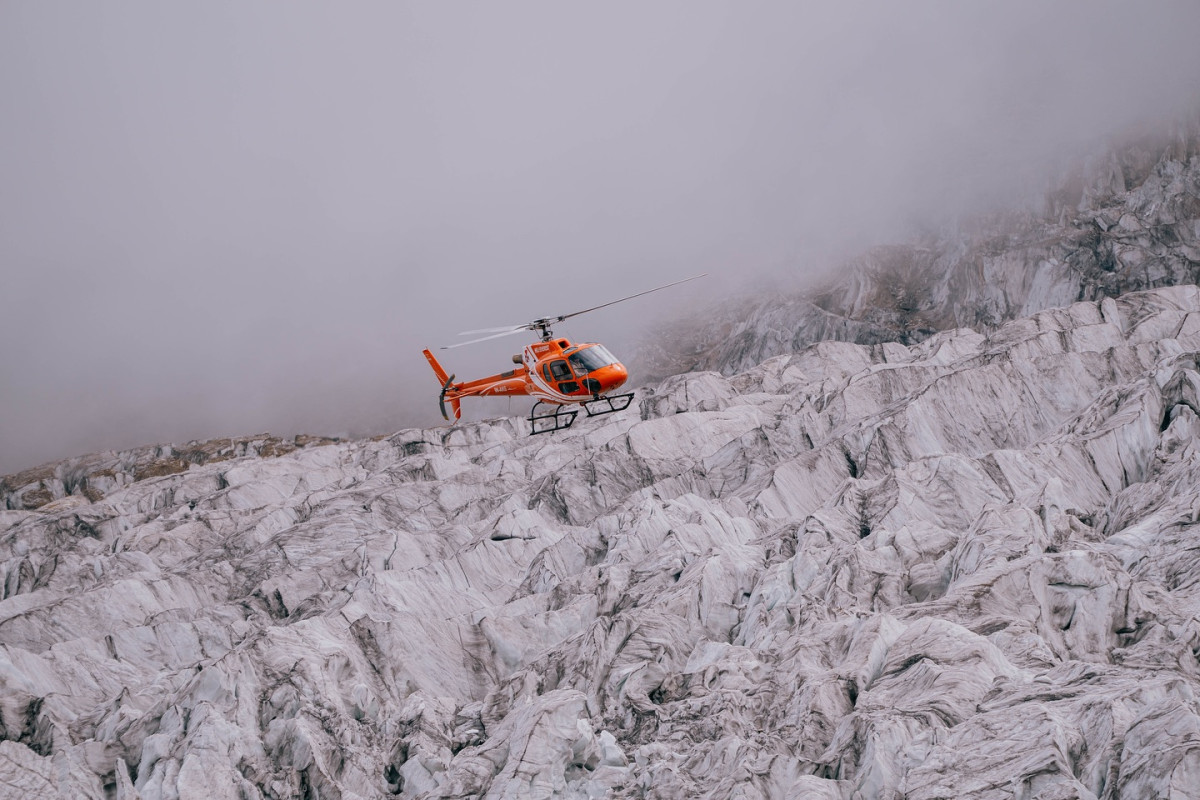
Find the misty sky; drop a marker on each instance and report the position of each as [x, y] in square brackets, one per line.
[224, 218]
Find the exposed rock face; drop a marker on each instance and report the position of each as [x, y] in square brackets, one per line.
[967, 568]
[1126, 222]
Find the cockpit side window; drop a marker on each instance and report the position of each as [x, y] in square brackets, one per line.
[560, 370]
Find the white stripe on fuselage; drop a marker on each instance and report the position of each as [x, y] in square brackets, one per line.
[540, 389]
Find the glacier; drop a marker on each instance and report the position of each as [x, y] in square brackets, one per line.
[966, 566]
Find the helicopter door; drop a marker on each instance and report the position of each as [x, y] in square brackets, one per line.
[561, 373]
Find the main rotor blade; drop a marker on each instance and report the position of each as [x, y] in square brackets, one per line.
[630, 297]
[500, 329]
[484, 338]
[543, 324]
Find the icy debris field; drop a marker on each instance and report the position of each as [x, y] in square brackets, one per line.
[965, 569]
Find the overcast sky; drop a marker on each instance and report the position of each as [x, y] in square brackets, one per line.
[223, 218]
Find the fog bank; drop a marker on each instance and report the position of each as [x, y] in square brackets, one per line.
[230, 218]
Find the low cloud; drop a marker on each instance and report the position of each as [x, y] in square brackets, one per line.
[231, 218]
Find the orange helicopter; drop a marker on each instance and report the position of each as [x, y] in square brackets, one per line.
[554, 370]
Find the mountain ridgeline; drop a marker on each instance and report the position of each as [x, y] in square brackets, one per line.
[1125, 220]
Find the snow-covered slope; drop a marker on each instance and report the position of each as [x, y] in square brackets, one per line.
[968, 568]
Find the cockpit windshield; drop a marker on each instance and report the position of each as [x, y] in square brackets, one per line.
[590, 358]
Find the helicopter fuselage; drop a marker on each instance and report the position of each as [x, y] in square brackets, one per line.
[555, 371]
[552, 369]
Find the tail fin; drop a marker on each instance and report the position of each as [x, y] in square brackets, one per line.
[447, 386]
[437, 368]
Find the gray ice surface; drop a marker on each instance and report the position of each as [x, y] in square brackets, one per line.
[965, 568]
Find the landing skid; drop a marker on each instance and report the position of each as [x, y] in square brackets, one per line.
[561, 419]
[599, 406]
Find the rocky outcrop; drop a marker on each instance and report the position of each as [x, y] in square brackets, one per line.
[963, 568]
[1127, 221]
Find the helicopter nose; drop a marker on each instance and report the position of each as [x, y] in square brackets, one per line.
[611, 376]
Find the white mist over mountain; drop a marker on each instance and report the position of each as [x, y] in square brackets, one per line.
[222, 219]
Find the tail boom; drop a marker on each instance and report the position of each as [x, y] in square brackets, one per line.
[504, 384]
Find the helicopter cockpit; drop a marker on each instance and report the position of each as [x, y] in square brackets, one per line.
[573, 378]
[590, 358]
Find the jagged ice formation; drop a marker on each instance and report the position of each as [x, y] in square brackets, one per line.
[964, 568]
